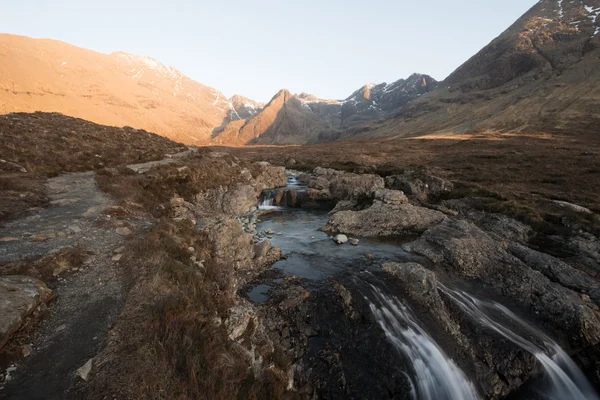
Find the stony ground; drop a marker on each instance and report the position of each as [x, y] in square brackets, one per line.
[87, 299]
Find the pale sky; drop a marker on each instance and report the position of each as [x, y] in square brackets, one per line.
[256, 47]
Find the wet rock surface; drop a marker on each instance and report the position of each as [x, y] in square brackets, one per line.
[383, 219]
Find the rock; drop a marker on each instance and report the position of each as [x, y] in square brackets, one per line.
[419, 184]
[19, 297]
[181, 210]
[354, 242]
[501, 365]
[420, 283]
[8, 239]
[232, 245]
[269, 176]
[340, 239]
[238, 320]
[117, 257]
[60, 328]
[265, 254]
[74, 228]
[344, 205]
[124, 231]
[26, 350]
[557, 271]
[119, 250]
[391, 196]
[84, 371]
[384, 220]
[465, 249]
[225, 201]
[40, 238]
[500, 226]
[355, 187]
[572, 207]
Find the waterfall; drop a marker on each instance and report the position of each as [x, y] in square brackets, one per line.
[566, 381]
[436, 377]
[292, 181]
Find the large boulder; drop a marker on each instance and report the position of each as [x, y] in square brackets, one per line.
[558, 271]
[225, 201]
[355, 187]
[19, 297]
[468, 251]
[384, 220]
[269, 176]
[419, 184]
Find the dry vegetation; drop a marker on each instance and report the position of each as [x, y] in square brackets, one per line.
[169, 341]
[151, 192]
[515, 174]
[45, 145]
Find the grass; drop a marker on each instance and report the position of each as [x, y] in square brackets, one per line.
[170, 338]
[152, 191]
[47, 144]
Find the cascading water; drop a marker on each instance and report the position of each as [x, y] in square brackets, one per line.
[436, 377]
[566, 381]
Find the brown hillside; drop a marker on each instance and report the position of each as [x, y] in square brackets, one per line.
[117, 89]
[540, 75]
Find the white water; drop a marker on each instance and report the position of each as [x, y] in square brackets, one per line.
[436, 377]
[566, 381]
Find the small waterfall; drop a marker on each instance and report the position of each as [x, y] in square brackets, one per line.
[267, 200]
[566, 381]
[292, 181]
[436, 377]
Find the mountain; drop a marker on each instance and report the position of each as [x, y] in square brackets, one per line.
[118, 89]
[304, 118]
[244, 107]
[540, 75]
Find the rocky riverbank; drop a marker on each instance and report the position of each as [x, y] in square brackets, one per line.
[237, 301]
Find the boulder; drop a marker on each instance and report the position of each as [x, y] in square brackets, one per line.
[420, 283]
[19, 297]
[340, 239]
[391, 196]
[419, 184]
[232, 245]
[355, 187]
[225, 201]
[265, 254]
[557, 271]
[384, 220]
[269, 176]
[500, 226]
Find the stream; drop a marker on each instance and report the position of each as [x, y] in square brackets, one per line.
[432, 373]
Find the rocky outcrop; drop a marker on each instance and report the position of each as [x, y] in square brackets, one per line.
[558, 271]
[269, 176]
[500, 366]
[383, 219]
[419, 184]
[468, 251]
[19, 297]
[225, 201]
[354, 186]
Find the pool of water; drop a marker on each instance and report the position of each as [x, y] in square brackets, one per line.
[311, 254]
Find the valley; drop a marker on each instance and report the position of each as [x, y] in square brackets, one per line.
[418, 239]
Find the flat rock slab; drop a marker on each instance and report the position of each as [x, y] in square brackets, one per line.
[19, 296]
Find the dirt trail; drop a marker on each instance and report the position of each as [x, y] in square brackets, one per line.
[87, 301]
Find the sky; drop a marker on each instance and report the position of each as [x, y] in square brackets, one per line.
[256, 47]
